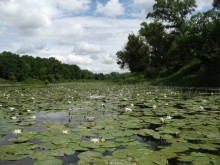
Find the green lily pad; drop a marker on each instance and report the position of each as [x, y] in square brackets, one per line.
[48, 162]
[121, 154]
[151, 159]
[148, 132]
[89, 155]
[19, 139]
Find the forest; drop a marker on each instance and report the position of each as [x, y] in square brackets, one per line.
[178, 46]
[27, 68]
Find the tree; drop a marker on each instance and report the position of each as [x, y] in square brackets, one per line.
[216, 4]
[205, 35]
[135, 55]
[16, 68]
[172, 12]
[156, 38]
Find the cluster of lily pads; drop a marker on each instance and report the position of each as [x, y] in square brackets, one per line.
[103, 123]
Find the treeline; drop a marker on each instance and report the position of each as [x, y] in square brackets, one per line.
[176, 41]
[25, 68]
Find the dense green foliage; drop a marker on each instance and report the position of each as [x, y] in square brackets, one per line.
[175, 40]
[49, 70]
[16, 68]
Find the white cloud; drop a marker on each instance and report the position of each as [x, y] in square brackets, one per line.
[111, 8]
[110, 59]
[74, 59]
[26, 48]
[25, 15]
[40, 45]
[203, 4]
[87, 48]
[146, 6]
[30, 17]
[73, 6]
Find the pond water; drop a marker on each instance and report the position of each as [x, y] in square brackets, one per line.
[104, 123]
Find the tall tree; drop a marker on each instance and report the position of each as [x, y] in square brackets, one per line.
[135, 55]
[172, 13]
[156, 38]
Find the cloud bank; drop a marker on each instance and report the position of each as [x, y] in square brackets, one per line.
[83, 32]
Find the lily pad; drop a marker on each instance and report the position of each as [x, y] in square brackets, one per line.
[48, 162]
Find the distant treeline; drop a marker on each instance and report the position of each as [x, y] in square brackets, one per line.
[176, 45]
[24, 68]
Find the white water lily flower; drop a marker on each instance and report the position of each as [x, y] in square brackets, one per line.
[32, 98]
[13, 117]
[17, 131]
[69, 102]
[168, 117]
[12, 108]
[166, 104]
[33, 117]
[201, 107]
[162, 119]
[28, 110]
[132, 105]
[95, 140]
[138, 94]
[128, 110]
[0, 105]
[204, 101]
[154, 106]
[64, 131]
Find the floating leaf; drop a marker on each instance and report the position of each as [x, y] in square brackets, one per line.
[48, 162]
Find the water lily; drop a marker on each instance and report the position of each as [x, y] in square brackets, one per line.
[0, 105]
[13, 117]
[132, 105]
[95, 140]
[103, 140]
[204, 101]
[32, 98]
[166, 104]
[12, 108]
[162, 119]
[17, 131]
[69, 102]
[33, 117]
[28, 110]
[65, 132]
[201, 107]
[154, 106]
[168, 117]
[128, 110]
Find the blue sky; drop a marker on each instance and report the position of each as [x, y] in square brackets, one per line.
[83, 32]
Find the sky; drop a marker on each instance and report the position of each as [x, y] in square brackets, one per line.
[87, 33]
